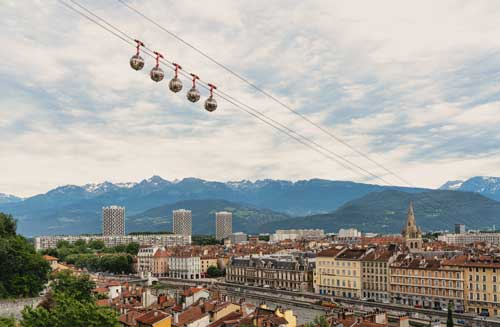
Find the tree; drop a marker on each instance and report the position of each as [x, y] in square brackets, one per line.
[449, 320]
[7, 322]
[23, 271]
[79, 288]
[318, 322]
[96, 244]
[69, 303]
[7, 225]
[133, 248]
[68, 311]
[214, 272]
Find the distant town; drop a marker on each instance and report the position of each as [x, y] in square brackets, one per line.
[418, 275]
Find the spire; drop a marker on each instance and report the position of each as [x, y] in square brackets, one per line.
[410, 221]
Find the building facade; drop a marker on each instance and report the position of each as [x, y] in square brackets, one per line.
[418, 281]
[292, 272]
[145, 259]
[238, 237]
[159, 240]
[481, 283]
[113, 221]
[223, 225]
[296, 234]
[184, 266]
[182, 222]
[469, 238]
[375, 273]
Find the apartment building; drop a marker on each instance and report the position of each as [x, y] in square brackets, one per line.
[375, 273]
[184, 266]
[160, 263]
[481, 275]
[324, 274]
[418, 281]
[182, 222]
[113, 221]
[347, 281]
[159, 240]
[145, 259]
[223, 225]
[207, 262]
[292, 272]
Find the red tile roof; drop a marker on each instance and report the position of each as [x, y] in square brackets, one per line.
[152, 317]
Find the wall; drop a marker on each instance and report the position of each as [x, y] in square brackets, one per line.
[14, 307]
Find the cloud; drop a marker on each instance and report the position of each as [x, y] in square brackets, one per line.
[415, 85]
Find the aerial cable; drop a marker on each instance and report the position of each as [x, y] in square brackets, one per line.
[268, 120]
[219, 93]
[266, 93]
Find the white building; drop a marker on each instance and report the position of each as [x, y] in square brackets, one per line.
[238, 237]
[349, 232]
[168, 240]
[468, 238]
[223, 225]
[296, 234]
[184, 267]
[113, 221]
[182, 222]
[145, 259]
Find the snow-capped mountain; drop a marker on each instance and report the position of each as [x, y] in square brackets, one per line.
[8, 198]
[484, 185]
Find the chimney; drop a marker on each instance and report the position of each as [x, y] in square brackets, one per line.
[156, 313]
[404, 321]
[176, 317]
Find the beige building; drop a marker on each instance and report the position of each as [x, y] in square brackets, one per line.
[428, 283]
[160, 263]
[481, 275]
[182, 222]
[375, 273]
[338, 272]
[207, 262]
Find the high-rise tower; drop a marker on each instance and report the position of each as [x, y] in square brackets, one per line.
[182, 222]
[223, 225]
[113, 221]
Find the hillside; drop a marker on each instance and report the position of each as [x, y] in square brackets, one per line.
[245, 218]
[385, 212]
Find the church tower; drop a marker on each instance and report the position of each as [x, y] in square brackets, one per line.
[411, 232]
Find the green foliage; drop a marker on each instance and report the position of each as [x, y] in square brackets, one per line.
[117, 259]
[23, 272]
[204, 240]
[264, 238]
[133, 248]
[7, 322]
[69, 303]
[69, 311]
[7, 225]
[96, 244]
[214, 272]
[79, 288]
[318, 322]
[449, 320]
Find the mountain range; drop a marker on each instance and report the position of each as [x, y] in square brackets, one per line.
[386, 212]
[485, 185]
[77, 209]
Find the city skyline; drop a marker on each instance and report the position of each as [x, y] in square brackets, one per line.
[438, 98]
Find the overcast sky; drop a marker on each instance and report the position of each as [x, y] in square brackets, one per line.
[415, 84]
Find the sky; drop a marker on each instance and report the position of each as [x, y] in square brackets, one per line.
[415, 85]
